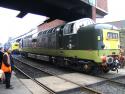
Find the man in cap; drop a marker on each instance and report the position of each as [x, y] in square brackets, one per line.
[6, 67]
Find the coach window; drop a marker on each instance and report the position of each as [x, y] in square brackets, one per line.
[53, 30]
[34, 37]
[40, 33]
[44, 32]
[49, 31]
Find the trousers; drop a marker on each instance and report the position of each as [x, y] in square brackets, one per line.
[7, 79]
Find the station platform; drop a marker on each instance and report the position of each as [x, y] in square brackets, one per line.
[19, 87]
[22, 86]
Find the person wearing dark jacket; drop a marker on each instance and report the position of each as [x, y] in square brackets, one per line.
[1, 55]
[11, 60]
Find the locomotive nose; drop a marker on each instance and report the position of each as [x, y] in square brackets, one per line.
[110, 62]
[113, 63]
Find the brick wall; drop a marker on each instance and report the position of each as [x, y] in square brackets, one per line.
[102, 4]
[51, 24]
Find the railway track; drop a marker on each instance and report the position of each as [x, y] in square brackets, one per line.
[82, 87]
[36, 81]
[110, 85]
[112, 80]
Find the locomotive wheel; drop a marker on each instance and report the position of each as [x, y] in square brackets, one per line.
[106, 70]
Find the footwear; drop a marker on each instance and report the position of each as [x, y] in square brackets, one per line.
[0, 80]
[9, 87]
[4, 82]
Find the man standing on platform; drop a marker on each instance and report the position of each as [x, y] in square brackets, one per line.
[6, 67]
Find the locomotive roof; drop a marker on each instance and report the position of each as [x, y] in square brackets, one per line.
[105, 26]
[85, 21]
[100, 26]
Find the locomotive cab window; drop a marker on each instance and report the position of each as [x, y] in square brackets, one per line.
[16, 45]
[68, 29]
[111, 35]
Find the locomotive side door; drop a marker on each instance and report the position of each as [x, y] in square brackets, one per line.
[67, 31]
[70, 37]
[100, 40]
[59, 31]
[34, 40]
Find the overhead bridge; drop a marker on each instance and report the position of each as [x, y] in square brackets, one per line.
[67, 10]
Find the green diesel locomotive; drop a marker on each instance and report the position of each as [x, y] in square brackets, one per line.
[80, 44]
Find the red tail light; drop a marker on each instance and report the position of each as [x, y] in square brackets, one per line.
[103, 58]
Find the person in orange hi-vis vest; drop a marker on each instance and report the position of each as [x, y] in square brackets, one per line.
[6, 67]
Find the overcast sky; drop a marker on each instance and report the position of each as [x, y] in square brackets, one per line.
[11, 26]
[115, 11]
